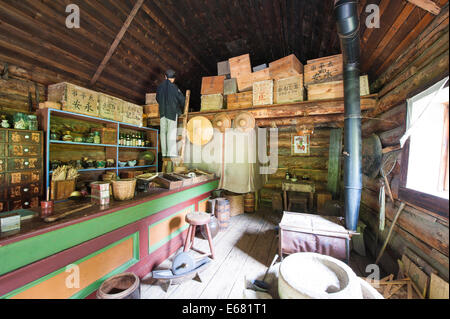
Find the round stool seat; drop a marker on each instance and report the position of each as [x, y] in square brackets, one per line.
[198, 218]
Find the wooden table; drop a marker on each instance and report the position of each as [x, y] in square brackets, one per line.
[299, 186]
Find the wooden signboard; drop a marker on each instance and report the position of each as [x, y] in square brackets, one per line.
[110, 108]
[132, 114]
[212, 85]
[263, 93]
[74, 98]
[326, 69]
[242, 100]
[241, 69]
[212, 102]
[150, 98]
[289, 90]
[285, 67]
[335, 89]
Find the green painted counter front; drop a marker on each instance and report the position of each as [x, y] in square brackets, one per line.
[24, 252]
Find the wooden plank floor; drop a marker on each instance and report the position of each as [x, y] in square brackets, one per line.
[244, 250]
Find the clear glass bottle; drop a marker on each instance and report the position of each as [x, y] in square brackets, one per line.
[97, 139]
[128, 140]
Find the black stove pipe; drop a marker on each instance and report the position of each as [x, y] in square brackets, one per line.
[346, 13]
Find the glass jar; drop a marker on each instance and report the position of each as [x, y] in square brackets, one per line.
[20, 121]
[97, 139]
[90, 138]
[32, 123]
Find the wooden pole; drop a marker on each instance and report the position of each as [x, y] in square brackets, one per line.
[185, 120]
[400, 209]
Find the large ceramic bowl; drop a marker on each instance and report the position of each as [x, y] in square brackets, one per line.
[122, 164]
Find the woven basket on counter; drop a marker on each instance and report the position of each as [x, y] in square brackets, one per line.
[124, 189]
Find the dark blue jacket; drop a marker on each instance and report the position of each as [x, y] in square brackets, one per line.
[170, 99]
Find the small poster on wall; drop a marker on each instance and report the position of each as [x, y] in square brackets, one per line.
[300, 145]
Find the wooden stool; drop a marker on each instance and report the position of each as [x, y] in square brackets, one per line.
[194, 220]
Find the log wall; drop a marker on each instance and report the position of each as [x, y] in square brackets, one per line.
[315, 166]
[427, 234]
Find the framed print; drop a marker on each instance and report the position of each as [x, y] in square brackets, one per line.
[300, 145]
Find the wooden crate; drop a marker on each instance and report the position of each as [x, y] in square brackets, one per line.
[61, 190]
[230, 87]
[223, 68]
[262, 75]
[333, 90]
[150, 98]
[212, 85]
[263, 93]
[260, 67]
[240, 100]
[110, 108]
[169, 181]
[151, 110]
[285, 67]
[241, 70]
[322, 198]
[132, 114]
[74, 98]
[107, 135]
[289, 90]
[211, 102]
[327, 69]
[50, 105]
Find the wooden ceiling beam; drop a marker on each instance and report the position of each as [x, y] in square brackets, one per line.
[117, 40]
[427, 5]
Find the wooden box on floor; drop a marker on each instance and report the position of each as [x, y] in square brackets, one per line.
[241, 70]
[242, 100]
[211, 102]
[289, 90]
[151, 110]
[263, 93]
[334, 90]
[212, 85]
[322, 198]
[74, 98]
[327, 69]
[285, 67]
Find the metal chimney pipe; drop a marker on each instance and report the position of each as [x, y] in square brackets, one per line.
[346, 13]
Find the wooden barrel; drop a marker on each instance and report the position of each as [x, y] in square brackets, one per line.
[223, 213]
[249, 203]
[236, 203]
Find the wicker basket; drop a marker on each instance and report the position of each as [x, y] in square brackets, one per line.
[124, 189]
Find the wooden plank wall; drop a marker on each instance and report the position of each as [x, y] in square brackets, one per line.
[314, 166]
[427, 234]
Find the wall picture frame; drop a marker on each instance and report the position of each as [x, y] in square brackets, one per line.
[300, 145]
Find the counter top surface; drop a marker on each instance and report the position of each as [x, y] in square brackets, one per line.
[36, 225]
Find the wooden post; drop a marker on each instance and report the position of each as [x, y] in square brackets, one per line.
[334, 162]
[185, 120]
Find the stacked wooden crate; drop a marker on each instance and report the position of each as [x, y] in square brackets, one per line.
[288, 80]
[76, 99]
[324, 78]
[212, 92]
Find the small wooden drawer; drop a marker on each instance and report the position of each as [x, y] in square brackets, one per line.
[24, 178]
[16, 150]
[26, 137]
[2, 136]
[3, 193]
[24, 192]
[3, 206]
[24, 203]
[3, 150]
[2, 165]
[19, 164]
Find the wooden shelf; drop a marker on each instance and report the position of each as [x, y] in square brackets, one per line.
[83, 144]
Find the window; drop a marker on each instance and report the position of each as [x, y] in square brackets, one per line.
[425, 160]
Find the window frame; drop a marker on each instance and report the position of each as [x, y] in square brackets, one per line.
[434, 204]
